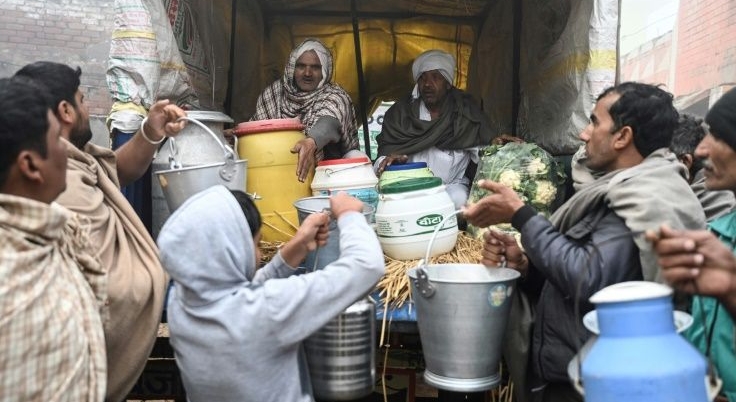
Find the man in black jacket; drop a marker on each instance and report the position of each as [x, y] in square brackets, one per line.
[592, 240]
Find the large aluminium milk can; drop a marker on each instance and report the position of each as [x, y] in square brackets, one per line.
[195, 147]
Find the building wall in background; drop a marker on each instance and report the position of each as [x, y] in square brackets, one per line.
[74, 32]
[697, 60]
[650, 62]
[706, 45]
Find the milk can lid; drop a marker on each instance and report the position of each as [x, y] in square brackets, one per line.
[332, 162]
[266, 126]
[631, 291]
[412, 184]
[406, 166]
[209, 115]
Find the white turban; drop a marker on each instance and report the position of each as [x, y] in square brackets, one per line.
[435, 60]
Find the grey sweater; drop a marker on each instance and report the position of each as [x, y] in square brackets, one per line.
[236, 332]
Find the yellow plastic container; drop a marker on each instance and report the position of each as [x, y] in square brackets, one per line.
[271, 173]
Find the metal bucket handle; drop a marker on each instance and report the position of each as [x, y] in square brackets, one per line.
[228, 170]
[426, 289]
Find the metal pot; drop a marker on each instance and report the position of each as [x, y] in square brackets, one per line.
[194, 147]
[179, 183]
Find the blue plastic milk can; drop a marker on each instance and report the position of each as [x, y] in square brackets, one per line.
[639, 356]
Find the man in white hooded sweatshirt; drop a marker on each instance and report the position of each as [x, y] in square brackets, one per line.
[236, 332]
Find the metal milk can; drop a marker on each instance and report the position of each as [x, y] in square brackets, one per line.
[638, 356]
[196, 147]
[341, 355]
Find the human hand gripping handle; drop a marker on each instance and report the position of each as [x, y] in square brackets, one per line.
[497, 207]
[312, 233]
[501, 249]
[305, 150]
[162, 121]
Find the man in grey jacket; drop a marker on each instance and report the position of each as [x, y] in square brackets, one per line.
[236, 331]
[592, 240]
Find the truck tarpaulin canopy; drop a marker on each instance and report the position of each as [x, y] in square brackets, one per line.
[536, 66]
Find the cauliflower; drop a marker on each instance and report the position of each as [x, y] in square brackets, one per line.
[510, 178]
[536, 167]
[546, 193]
[525, 168]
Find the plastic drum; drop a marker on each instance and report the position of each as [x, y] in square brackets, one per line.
[271, 174]
[354, 176]
[407, 215]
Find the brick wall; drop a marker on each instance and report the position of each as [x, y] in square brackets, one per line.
[650, 62]
[706, 45]
[75, 32]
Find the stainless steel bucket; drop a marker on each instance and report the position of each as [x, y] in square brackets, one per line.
[330, 251]
[341, 355]
[194, 147]
[462, 310]
[181, 182]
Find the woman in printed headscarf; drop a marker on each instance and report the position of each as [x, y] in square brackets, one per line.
[438, 124]
[306, 92]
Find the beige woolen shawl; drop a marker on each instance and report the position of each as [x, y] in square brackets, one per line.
[136, 281]
[52, 347]
[645, 196]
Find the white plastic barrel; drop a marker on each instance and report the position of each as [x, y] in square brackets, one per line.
[354, 176]
[408, 213]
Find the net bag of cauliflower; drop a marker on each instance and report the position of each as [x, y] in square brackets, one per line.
[526, 168]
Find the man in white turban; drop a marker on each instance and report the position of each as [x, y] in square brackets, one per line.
[437, 124]
[306, 92]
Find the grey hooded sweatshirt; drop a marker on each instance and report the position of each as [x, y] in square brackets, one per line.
[236, 332]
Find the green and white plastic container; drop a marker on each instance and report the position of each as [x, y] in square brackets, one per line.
[408, 213]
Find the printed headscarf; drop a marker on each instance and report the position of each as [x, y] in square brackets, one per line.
[283, 99]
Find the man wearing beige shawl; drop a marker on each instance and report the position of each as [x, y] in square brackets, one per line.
[136, 282]
[51, 340]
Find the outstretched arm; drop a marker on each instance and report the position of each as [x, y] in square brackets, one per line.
[136, 155]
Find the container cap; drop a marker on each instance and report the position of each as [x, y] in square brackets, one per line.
[406, 166]
[631, 291]
[332, 162]
[412, 184]
[205, 115]
[266, 126]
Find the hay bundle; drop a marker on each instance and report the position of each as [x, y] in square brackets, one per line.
[394, 286]
[268, 250]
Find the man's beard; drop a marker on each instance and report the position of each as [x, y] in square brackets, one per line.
[80, 136]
